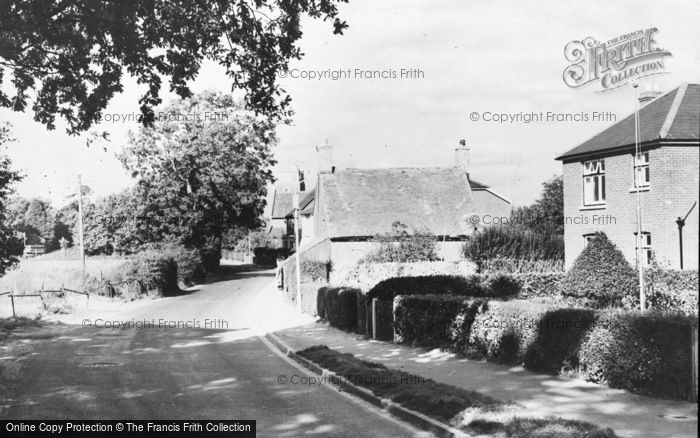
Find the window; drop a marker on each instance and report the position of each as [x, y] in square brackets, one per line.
[641, 170]
[587, 238]
[594, 182]
[646, 247]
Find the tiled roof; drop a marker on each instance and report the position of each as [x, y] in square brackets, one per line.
[672, 116]
[366, 202]
[306, 204]
[283, 203]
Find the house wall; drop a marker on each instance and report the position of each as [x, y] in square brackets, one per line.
[672, 191]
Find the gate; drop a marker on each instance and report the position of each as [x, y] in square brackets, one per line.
[382, 320]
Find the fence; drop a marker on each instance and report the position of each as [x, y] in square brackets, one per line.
[12, 295]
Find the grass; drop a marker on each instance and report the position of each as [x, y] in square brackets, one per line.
[8, 325]
[56, 269]
[470, 410]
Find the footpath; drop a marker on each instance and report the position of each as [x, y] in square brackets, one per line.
[629, 415]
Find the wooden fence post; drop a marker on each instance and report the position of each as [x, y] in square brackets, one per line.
[12, 298]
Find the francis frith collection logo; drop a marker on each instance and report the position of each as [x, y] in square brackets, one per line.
[615, 62]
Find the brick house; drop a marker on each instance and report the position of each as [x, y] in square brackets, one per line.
[349, 207]
[602, 177]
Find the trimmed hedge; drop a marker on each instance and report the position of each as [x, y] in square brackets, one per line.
[338, 306]
[645, 353]
[429, 320]
[600, 275]
[495, 286]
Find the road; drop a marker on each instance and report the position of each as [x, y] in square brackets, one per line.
[225, 372]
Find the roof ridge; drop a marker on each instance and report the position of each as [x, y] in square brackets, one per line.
[673, 110]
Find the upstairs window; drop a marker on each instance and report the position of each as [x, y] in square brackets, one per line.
[594, 182]
[641, 170]
[645, 243]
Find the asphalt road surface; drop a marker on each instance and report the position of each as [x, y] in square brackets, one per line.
[165, 371]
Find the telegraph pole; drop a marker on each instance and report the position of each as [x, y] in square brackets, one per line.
[640, 238]
[80, 222]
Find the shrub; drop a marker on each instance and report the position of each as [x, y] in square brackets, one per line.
[497, 286]
[560, 333]
[366, 275]
[155, 272]
[513, 243]
[190, 269]
[600, 274]
[338, 306]
[315, 270]
[428, 320]
[539, 284]
[400, 245]
[647, 353]
[509, 265]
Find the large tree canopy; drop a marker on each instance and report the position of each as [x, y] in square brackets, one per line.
[10, 245]
[201, 171]
[72, 53]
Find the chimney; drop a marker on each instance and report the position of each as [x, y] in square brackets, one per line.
[462, 156]
[325, 158]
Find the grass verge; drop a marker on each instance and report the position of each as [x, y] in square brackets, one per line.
[8, 325]
[472, 411]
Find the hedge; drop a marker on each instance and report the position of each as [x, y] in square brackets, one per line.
[494, 286]
[338, 306]
[155, 271]
[365, 276]
[645, 353]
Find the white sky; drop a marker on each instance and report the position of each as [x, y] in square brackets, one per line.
[504, 57]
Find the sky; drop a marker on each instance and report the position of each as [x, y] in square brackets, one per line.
[482, 57]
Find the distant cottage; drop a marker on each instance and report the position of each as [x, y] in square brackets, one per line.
[602, 177]
[348, 207]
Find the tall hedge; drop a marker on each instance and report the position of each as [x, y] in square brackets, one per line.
[647, 353]
[338, 306]
[600, 275]
[495, 286]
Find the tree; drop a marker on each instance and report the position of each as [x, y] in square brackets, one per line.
[199, 177]
[546, 214]
[72, 54]
[600, 274]
[10, 245]
[114, 224]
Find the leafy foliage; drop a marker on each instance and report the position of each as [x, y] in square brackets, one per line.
[546, 214]
[10, 245]
[513, 243]
[400, 245]
[600, 274]
[198, 177]
[73, 54]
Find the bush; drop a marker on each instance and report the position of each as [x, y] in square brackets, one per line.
[365, 276]
[513, 243]
[155, 271]
[505, 265]
[497, 286]
[647, 353]
[400, 245]
[338, 306]
[539, 284]
[190, 269]
[315, 270]
[428, 320]
[600, 275]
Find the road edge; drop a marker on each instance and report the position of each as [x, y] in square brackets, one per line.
[399, 412]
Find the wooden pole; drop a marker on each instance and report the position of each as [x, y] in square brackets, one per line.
[12, 298]
[80, 222]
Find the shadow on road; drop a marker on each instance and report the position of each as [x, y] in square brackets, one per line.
[233, 272]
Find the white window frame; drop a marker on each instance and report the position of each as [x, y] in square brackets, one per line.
[587, 238]
[647, 251]
[640, 170]
[594, 182]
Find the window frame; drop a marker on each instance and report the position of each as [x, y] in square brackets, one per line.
[646, 248]
[638, 165]
[597, 173]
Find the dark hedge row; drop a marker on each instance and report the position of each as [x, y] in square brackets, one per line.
[645, 353]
